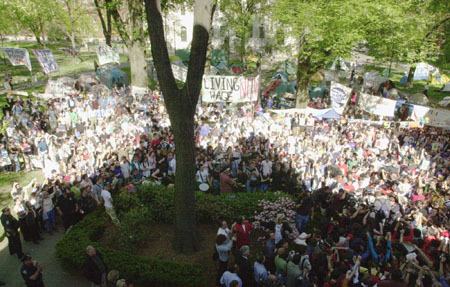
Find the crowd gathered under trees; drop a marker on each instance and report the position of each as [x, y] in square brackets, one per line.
[372, 202]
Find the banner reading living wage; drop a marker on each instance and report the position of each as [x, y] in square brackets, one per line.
[46, 60]
[18, 56]
[377, 105]
[106, 55]
[230, 89]
[339, 95]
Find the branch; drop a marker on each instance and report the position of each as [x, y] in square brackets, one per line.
[119, 23]
[159, 49]
[100, 15]
[435, 27]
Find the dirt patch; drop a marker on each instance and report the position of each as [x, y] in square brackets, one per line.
[159, 245]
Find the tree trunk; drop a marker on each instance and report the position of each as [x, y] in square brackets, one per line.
[106, 26]
[302, 94]
[138, 65]
[409, 83]
[181, 105]
[186, 234]
[72, 40]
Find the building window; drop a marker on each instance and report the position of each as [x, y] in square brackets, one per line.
[183, 34]
[261, 32]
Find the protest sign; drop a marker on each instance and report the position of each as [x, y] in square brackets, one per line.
[139, 92]
[106, 55]
[339, 95]
[70, 51]
[18, 56]
[46, 60]
[377, 105]
[307, 111]
[59, 88]
[430, 116]
[179, 72]
[230, 89]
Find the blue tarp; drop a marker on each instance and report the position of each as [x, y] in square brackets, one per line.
[331, 114]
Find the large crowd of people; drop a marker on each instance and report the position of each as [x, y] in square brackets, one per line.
[372, 201]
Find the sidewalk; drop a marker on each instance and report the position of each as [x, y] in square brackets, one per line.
[54, 274]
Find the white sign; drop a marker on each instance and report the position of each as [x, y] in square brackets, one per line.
[18, 56]
[46, 60]
[307, 111]
[230, 89]
[377, 105]
[106, 55]
[339, 95]
[59, 88]
[139, 92]
[431, 117]
[179, 72]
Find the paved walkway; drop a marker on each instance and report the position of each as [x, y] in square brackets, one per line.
[54, 274]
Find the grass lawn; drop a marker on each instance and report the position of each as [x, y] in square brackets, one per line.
[6, 181]
[418, 86]
[67, 64]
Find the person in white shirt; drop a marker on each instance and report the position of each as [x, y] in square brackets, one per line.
[109, 207]
[48, 211]
[229, 277]
[125, 167]
[223, 229]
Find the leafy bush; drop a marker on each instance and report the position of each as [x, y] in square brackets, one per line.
[144, 271]
[133, 230]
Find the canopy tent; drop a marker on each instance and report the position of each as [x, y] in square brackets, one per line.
[446, 88]
[273, 85]
[99, 89]
[439, 79]
[222, 65]
[283, 76]
[338, 62]
[423, 71]
[386, 73]
[318, 92]
[331, 114]
[183, 54]
[236, 70]
[419, 98]
[218, 56]
[284, 87]
[445, 102]
[111, 75]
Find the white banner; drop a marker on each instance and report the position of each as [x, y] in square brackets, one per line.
[432, 117]
[106, 55]
[46, 60]
[377, 105]
[49, 96]
[339, 95]
[307, 111]
[18, 56]
[59, 88]
[139, 92]
[179, 72]
[230, 89]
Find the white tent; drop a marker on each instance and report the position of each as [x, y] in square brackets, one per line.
[445, 102]
[423, 71]
[446, 88]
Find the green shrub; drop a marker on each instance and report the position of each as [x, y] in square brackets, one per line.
[144, 271]
[133, 230]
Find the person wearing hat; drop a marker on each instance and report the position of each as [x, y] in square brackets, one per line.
[31, 272]
[11, 226]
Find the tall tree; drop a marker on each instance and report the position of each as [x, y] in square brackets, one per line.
[70, 16]
[181, 105]
[240, 18]
[33, 15]
[130, 26]
[323, 30]
[106, 21]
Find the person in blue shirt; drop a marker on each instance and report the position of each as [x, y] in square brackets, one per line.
[230, 276]
[377, 254]
[262, 276]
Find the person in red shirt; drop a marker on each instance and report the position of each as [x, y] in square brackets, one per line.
[242, 229]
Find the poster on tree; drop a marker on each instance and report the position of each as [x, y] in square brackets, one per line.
[18, 56]
[106, 55]
[339, 95]
[230, 89]
[46, 60]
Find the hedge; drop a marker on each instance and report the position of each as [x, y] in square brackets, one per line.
[158, 203]
[210, 208]
[71, 250]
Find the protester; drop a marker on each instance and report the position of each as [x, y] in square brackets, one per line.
[94, 268]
